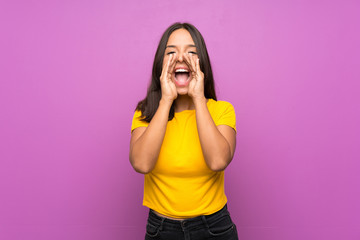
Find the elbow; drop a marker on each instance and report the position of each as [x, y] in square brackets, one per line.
[219, 164]
[217, 167]
[220, 160]
[140, 167]
[142, 170]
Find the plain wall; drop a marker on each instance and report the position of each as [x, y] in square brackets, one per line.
[72, 72]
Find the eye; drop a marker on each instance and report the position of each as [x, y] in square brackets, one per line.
[170, 53]
[192, 52]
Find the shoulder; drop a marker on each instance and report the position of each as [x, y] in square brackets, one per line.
[137, 121]
[222, 112]
[219, 106]
[137, 114]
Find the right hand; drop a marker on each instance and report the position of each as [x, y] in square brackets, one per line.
[168, 88]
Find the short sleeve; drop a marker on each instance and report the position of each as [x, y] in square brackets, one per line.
[137, 122]
[226, 115]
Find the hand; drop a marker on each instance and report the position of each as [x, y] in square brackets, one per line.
[196, 85]
[168, 88]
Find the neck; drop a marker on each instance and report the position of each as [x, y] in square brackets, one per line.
[184, 102]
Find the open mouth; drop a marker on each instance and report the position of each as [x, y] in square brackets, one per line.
[182, 76]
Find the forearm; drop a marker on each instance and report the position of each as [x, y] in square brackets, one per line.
[215, 148]
[145, 151]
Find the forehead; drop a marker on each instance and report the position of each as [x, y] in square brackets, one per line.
[180, 37]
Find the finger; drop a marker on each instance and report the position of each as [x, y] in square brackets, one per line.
[165, 69]
[201, 74]
[169, 62]
[198, 65]
[193, 62]
[188, 62]
[172, 64]
[170, 67]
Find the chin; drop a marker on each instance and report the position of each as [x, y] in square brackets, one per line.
[182, 91]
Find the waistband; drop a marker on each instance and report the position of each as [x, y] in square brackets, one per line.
[166, 223]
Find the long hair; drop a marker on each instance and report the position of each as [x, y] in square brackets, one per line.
[149, 105]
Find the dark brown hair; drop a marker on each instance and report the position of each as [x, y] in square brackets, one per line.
[150, 104]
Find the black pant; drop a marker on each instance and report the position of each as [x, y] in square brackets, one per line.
[217, 226]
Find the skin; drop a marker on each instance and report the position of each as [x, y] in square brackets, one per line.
[217, 142]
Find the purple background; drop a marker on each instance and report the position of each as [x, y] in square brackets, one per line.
[72, 72]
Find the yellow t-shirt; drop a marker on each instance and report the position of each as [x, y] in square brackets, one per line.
[181, 185]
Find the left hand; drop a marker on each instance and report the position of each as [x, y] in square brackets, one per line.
[196, 85]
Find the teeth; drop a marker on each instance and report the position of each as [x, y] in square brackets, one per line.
[181, 70]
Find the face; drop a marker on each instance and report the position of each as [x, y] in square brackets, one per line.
[180, 42]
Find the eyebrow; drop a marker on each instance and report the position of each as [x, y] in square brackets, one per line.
[174, 46]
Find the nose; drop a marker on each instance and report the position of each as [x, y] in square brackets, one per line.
[181, 57]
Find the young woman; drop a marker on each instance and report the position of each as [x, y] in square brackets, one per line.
[182, 140]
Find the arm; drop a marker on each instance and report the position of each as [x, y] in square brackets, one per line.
[145, 143]
[217, 142]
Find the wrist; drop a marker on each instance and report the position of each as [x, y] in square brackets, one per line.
[199, 101]
[166, 102]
